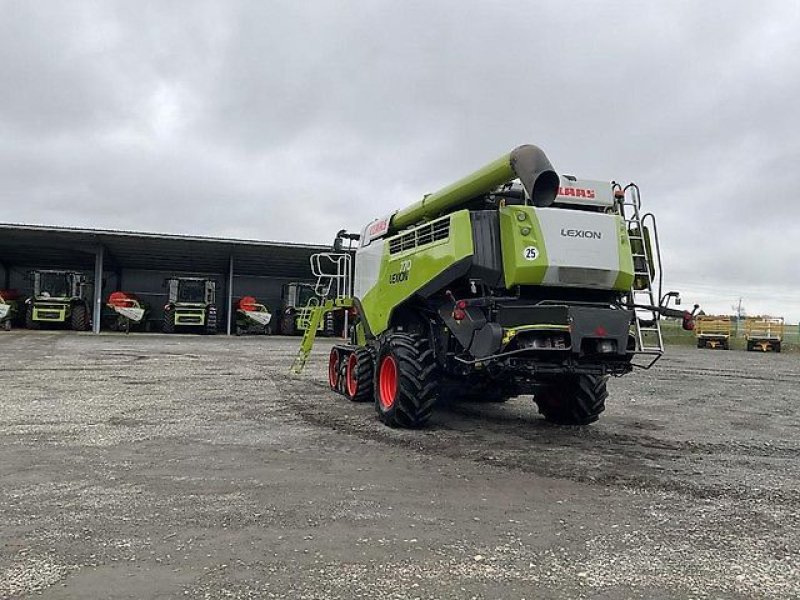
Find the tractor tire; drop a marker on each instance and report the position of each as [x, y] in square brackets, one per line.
[169, 322]
[701, 344]
[210, 328]
[406, 381]
[750, 346]
[572, 399]
[777, 347]
[7, 325]
[29, 322]
[359, 372]
[79, 318]
[288, 324]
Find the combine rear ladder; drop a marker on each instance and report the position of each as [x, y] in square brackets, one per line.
[647, 323]
[334, 285]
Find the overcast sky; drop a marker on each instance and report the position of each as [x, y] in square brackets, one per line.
[291, 120]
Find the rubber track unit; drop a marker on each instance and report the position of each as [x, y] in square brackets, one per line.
[573, 399]
[79, 318]
[417, 381]
[364, 373]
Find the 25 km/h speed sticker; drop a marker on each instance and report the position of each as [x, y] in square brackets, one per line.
[530, 253]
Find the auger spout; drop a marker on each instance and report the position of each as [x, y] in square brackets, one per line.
[528, 163]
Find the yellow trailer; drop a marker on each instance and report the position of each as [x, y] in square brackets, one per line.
[764, 333]
[713, 331]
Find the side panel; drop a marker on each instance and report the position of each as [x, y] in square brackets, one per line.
[407, 270]
[568, 248]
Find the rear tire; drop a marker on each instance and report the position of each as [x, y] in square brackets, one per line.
[359, 372]
[29, 322]
[573, 399]
[7, 325]
[406, 381]
[210, 328]
[79, 318]
[169, 321]
[288, 324]
[777, 347]
[701, 344]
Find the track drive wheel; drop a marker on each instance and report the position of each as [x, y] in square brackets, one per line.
[406, 382]
[169, 321]
[572, 399]
[334, 369]
[79, 318]
[358, 373]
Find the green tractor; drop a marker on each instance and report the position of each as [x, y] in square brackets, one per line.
[191, 306]
[60, 298]
[512, 281]
[9, 308]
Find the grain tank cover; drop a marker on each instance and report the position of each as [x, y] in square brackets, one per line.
[584, 192]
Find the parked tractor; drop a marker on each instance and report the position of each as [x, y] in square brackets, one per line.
[764, 333]
[60, 299]
[9, 308]
[252, 317]
[127, 311]
[191, 306]
[510, 281]
[712, 331]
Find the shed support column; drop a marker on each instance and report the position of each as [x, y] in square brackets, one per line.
[6, 275]
[230, 293]
[98, 289]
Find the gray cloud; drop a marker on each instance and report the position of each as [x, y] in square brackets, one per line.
[291, 120]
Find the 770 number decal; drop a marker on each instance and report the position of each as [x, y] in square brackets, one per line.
[402, 275]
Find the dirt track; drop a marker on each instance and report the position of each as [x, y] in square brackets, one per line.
[147, 466]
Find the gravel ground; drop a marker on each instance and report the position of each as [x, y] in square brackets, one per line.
[156, 467]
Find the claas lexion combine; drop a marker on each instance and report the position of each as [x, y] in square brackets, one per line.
[510, 281]
[191, 305]
[59, 299]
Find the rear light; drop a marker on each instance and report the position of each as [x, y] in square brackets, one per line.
[460, 313]
[619, 194]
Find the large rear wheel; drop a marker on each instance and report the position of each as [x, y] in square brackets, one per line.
[169, 321]
[29, 322]
[406, 382]
[572, 399]
[79, 318]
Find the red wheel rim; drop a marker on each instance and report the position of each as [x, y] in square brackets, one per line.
[387, 382]
[333, 369]
[352, 382]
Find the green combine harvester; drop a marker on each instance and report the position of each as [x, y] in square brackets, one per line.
[59, 299]
[508, 282]
[191, 305]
